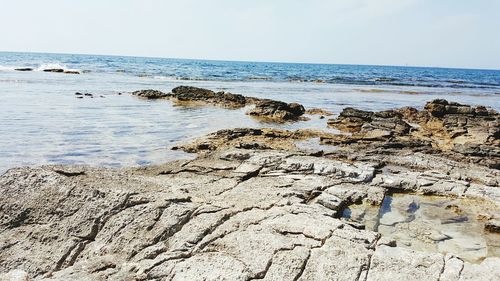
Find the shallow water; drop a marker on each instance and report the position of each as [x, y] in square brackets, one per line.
[431, 224]
[42, 121]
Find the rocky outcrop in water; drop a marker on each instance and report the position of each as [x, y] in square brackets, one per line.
[253, 205]
[24, 69]
[71, 72]
[149, 94]
[188, 94]
[267, 109]
[277, 110]
[58, 70]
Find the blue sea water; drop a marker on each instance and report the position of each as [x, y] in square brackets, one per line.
[488, 81]
[42, 121]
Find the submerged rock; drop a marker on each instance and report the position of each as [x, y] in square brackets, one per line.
[318, 111]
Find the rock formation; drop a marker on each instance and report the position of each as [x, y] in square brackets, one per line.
[149, 94]
[59, 70]
[277, 110]
[264, 108]
[252, 205]
[471, 133]
[186, 94]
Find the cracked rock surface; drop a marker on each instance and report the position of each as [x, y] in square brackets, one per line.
[254, 205]
[234, 214]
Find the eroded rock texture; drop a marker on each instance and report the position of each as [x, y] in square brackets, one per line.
[267, 109]
[464, 132]
[255, 206]
[236, 214]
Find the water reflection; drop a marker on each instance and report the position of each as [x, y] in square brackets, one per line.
[432, 224]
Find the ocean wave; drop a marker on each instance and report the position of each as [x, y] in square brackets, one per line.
[9, 67]
[373, 90]
[54, 65]
[385, 79]
[261, 78]
[40, 68]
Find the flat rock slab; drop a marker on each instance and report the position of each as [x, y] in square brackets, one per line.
[234, 214]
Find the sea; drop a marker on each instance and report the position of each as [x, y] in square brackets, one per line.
[42, 121]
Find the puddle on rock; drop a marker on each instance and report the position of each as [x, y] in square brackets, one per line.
[432, 224]
[313, 145]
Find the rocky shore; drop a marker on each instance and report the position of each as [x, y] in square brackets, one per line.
[263, 108]
[255, 204]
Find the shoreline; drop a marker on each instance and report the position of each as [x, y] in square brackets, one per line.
[253, 204]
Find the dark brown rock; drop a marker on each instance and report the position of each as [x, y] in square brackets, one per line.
[264, 108]
[149, 94]
[277, 110]
[371, 124]
[194, 94]
[59, 70]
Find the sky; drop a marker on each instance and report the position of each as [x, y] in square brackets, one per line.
[444, 33]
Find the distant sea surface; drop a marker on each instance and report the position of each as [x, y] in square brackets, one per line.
[42, 121]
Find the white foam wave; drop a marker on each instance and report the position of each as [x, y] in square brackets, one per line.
[7, 68]
[166, 78]
[53, 65]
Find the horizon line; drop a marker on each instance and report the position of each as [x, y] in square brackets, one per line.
[250, 61]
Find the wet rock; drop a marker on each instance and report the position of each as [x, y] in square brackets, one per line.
[59, 70]
[264, 108]
[277, 110]
[149, 94]
[249, 138]
[193, 94]
[318, 111]
[71, 72]
[24, 69]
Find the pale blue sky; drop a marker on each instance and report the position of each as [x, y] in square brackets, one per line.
[448, 33]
